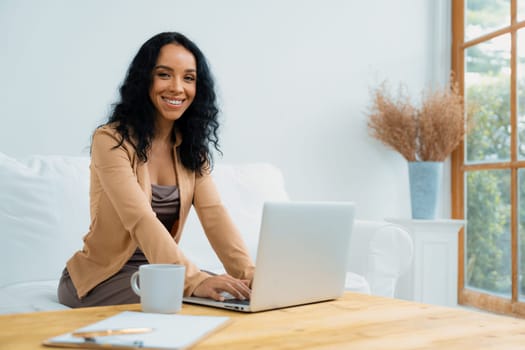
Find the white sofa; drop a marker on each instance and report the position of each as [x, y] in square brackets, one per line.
[44, 212]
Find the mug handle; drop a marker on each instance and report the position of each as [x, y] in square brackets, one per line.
[134, 284]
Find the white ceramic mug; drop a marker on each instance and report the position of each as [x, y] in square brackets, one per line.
[161, 287]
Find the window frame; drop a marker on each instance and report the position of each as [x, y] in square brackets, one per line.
[467, 296]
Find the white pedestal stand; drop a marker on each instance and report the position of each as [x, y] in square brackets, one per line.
[433, 277]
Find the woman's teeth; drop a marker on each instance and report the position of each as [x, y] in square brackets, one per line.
[173, 102]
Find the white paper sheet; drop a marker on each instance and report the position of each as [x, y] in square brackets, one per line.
[169, 331]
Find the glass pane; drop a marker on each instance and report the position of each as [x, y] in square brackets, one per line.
[521, 233]
[521, 92]
[521, 10]
[487, 91]
[485, 16]
[487, 255]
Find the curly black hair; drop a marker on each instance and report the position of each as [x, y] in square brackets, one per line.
[134, 114]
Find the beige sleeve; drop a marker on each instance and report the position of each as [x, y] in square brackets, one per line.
[118, 180]
[222, 233]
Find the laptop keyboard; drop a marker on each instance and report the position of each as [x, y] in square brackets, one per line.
[237, 301]
[228, 298]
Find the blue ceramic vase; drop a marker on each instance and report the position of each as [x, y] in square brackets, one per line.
[425, 188]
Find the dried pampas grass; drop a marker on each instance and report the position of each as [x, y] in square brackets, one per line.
[428, 133]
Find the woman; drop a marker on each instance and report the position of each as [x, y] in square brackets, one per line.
[149, 163]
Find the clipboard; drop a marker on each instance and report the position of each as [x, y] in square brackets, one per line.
[139, 330]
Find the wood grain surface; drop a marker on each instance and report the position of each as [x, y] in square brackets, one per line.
[355, 321]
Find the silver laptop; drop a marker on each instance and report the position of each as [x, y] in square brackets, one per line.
[301, 257]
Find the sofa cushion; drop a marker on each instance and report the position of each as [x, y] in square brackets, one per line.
[44, 212]
[30, 297]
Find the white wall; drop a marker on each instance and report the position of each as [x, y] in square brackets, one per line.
[293, 77]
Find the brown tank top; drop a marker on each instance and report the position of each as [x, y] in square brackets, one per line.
[165, 203]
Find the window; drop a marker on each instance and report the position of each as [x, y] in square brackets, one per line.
[488, 170]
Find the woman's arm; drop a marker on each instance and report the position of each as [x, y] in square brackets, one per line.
[222, 233]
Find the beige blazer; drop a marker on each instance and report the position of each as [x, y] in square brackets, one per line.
[122, 219]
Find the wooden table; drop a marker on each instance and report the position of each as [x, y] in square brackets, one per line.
[356, 321]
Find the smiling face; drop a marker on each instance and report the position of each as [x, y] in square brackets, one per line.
[174, 83]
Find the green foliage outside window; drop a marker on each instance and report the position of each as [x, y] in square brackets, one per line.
[488, 200]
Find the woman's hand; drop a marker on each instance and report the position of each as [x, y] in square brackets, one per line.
[213, 286]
